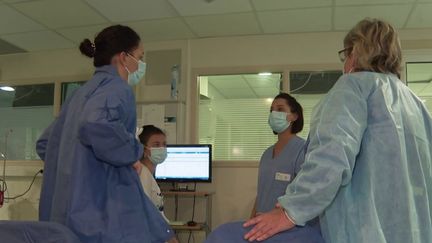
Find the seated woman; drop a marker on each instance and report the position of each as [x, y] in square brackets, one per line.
[155, 152]
[279, 165]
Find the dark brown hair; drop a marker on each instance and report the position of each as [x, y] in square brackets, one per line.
[109, 42]
[296, 108]
[147, 132]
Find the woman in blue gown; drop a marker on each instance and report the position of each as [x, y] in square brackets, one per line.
[91, 155]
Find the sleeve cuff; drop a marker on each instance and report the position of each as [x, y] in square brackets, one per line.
[290, 214]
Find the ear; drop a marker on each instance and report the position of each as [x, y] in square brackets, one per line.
[121, 58]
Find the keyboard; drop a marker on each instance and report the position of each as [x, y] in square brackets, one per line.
[177, 223]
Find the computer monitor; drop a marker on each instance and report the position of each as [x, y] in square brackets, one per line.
[186, 163]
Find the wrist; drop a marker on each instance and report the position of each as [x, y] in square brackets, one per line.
[288, 217]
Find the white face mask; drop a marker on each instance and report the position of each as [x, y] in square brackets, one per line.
[135, 77]
[278, 121]
[158, 155]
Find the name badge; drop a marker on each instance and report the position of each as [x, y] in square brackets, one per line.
[282, 176]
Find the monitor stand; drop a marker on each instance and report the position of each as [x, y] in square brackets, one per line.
[182, 188]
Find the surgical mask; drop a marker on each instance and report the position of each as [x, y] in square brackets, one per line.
[135, 77]
[158, 155]
[278, 121]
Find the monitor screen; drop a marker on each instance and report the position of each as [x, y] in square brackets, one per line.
[186, 163]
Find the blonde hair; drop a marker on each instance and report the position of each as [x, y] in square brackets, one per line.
[376, 46]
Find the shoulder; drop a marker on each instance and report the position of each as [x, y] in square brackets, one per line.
[298, 140]
[145, 177]
[268, 152]
[363, 83]
[113, 92]
[117, 87]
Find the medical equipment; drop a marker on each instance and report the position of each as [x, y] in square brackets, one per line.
[3, 185]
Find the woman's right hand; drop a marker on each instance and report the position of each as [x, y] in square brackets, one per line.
[138, 166]
[173, 240]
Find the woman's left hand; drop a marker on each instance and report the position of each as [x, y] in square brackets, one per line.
[267, 225]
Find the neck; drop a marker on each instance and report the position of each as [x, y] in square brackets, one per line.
[285, 136]
[122, 72]
[147, 163]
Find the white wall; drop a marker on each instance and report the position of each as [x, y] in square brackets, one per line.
[235, 187]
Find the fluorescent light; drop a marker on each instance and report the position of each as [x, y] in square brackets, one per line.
[269, 100]
[7, 88]
[265, 74]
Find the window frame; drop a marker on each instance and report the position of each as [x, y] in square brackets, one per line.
[15, 167]
[192, 110]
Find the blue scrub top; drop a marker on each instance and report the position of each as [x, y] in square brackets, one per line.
[89, 184]
[275, 174]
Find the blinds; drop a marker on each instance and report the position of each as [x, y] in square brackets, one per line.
[237, 128]
[308, 102]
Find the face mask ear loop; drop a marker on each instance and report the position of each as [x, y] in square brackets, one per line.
[132, 57]
[127, 70]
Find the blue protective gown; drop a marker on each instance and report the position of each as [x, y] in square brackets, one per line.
[89, 184]
[35, 232]
[367, 170]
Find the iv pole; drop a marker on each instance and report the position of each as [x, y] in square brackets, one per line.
[3, 186]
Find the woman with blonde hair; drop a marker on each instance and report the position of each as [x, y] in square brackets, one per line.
[367, 171]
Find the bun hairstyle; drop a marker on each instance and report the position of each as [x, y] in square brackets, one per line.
[109, 42]
[87, 48]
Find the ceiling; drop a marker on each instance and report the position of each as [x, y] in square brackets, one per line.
[243, 86]
[38, 25]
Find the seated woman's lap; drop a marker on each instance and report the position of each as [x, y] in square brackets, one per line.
[234, 233]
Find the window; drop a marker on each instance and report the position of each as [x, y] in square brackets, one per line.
[309, 88]
[234, 109]
[233, 114]
[25, 112]
[67, 89]
[419, 80]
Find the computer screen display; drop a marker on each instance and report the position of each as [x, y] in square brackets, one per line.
[186, 163]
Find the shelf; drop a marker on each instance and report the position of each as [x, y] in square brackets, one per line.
[198, 227]
[151, 102]
[204, 195]
[187, 193]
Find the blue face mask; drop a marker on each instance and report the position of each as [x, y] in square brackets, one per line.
[135, 77]
[278, 121]
[158, 155]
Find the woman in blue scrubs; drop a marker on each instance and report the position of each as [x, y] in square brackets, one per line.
[280, 162]
[279, 165]
[91, 155]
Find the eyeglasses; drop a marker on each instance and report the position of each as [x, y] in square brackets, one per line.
[136, 59]
[343, 54]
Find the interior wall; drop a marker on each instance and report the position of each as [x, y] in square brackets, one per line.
[234, 183]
